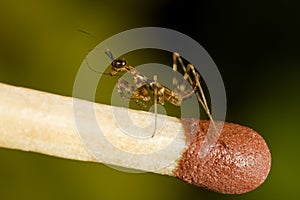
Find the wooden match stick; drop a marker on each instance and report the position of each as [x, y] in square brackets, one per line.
[45, 123]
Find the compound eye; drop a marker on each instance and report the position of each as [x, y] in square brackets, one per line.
[119, 63]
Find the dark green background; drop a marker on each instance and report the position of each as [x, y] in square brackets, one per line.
[254, 44]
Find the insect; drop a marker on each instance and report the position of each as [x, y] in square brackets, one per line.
[144, 86]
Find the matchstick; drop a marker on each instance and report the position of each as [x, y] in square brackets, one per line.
[47, 123]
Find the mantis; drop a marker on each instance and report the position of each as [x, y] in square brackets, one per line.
[146, 87]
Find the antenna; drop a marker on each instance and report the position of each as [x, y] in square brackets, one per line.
[86, 32]
[93, 70]
[109, 54]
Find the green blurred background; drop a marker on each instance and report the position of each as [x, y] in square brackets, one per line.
[255, 45]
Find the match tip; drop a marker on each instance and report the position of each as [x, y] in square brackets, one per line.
[238, 163]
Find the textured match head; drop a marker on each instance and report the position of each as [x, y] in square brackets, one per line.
[238, 163]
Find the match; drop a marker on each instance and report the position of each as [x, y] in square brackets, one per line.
[45, 123]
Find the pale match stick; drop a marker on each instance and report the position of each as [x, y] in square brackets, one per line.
[42, 122]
